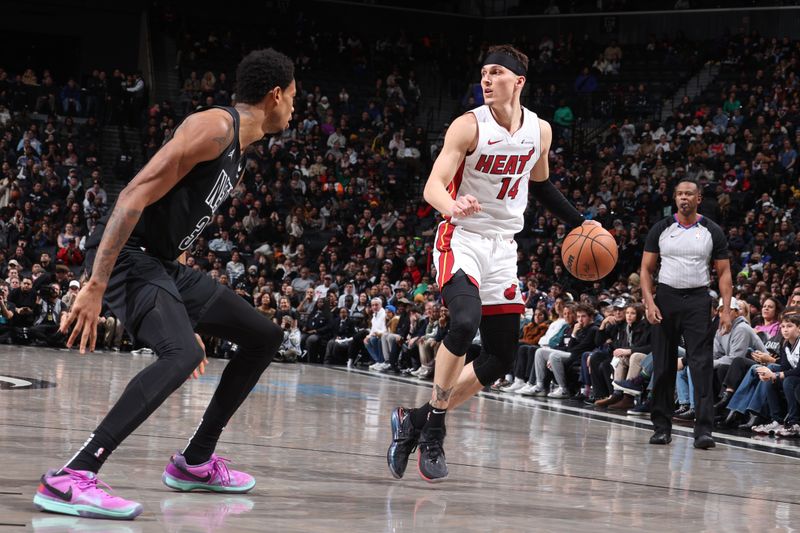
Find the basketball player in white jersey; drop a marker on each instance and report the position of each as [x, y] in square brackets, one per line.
[479, 183]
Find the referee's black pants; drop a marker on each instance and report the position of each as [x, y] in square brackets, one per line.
[684, 312]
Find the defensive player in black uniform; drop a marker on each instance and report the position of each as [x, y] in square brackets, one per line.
[132, 263]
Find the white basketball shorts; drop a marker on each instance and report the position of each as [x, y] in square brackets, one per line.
[489, 260]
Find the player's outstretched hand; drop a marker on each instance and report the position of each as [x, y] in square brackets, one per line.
[85, 313]
[465, 206]
[201, 368]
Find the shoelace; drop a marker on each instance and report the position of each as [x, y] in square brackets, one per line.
[434, 449]
[85, 482]
[220, 469]
[434, 445]
[409, 442]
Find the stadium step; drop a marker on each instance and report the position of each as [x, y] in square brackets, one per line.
[115, 138]
[695, 86]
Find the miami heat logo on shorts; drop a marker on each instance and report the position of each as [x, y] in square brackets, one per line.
[510, 292]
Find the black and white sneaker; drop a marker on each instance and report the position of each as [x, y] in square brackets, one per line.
[634, 386]
[404, 442]
[431, 463]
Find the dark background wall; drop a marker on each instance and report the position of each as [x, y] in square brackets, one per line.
[695, 25]
[70, 39]
[627, 28]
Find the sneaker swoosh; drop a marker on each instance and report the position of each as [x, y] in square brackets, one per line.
[66, 496]
[203, 479]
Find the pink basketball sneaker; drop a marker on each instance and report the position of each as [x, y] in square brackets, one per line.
[75, 492]
[213, 475]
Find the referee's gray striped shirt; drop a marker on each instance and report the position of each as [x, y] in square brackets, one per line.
[686, 251]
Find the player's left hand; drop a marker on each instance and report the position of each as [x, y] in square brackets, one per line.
[724, 321]
[84, 313]
[465, 206]
[201, 369]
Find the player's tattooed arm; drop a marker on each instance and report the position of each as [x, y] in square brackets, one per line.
[201, 137]
[118, 230]
[441, 397]
[224, 140]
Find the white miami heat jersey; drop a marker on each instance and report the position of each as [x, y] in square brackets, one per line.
[497, 174]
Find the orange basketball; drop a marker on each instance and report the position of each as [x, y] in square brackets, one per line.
[589, 253]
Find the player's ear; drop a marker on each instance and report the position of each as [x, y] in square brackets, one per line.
[520, 81]
[276, 93]
[272, 98]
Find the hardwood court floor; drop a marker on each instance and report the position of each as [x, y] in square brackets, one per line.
[316, 438]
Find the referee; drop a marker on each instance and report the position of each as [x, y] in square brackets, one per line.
[680, 306]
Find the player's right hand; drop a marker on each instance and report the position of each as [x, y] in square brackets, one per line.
[653, 314]
[85, 313]
[465, 206]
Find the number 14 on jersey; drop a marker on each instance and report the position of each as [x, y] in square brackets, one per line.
[506, 192]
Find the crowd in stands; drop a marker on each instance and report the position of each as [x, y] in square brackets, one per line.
[51, 193]
[327, 233]
[107, 99]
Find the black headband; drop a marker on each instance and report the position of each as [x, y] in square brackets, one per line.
[505, 60]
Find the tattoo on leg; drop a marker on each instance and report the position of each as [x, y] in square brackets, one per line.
[441, 396]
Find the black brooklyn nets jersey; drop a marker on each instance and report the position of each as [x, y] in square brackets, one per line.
[168, 227]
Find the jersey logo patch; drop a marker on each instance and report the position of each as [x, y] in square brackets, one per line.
[220, 191]
[494, 142]
[510, 292]
[230, 154]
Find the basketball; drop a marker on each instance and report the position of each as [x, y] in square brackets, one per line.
[589, 253]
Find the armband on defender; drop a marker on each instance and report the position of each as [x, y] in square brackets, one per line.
[555, 202]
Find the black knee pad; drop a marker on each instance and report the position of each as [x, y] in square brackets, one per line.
[192, 356]
[184, 358]
[500, 340]
[180, 347]
[464, 304]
